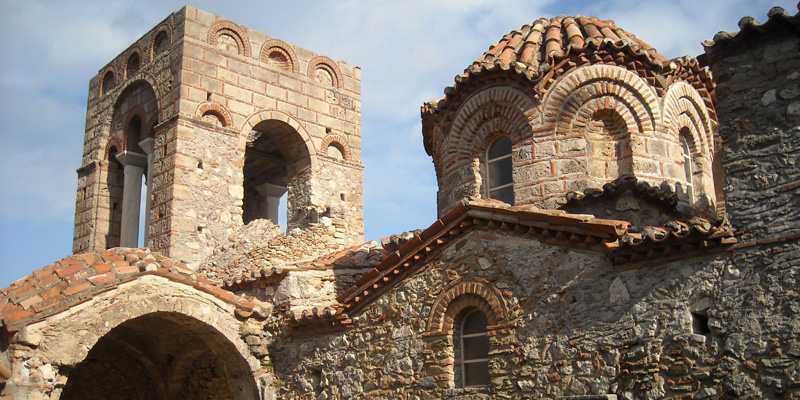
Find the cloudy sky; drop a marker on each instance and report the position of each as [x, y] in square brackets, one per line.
[409, 50]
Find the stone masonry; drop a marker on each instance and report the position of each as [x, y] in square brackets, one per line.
[220, 120]
[650, 250]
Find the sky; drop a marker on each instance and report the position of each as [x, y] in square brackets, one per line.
[408, 51]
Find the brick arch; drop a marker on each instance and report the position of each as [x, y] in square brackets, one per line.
[216, 108]
[232, 30]
[462, 294]
[283, 48]
[684, 108]
[265, 115]
[150, 80]
[167, 30]
[338, 141]
[526, 105]
[112, 142]
[135, 50]
[608, 82]
[327, 64]
[101, 89]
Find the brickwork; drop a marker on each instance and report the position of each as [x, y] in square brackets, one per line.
[584, 121]
[209, 84]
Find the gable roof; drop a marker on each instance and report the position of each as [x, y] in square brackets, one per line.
[626, 249]
[77, 278]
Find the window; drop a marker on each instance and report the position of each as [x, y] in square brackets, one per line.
[475, 350]
[687, 167]
[500, 181]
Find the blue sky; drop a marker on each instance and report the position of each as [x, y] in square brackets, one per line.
[409, 51]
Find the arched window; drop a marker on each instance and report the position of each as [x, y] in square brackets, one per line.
[687, 166]
[475, 350]
[499, 179]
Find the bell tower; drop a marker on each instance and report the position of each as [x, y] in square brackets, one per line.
[202, 126]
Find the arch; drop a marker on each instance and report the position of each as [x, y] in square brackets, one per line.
[108, 80]
[220, 111]
[140, 78]
[686, 117]
[610, 86]
[273, 115]
[339, 142]
[462, 294]
[234, 35]
[133, 62]
[141, 319]
[161, 40]
[327, 65]
[271, 52]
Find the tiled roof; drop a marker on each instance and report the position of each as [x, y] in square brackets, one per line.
[536, 47]
[663, 196]
[626, 249]
[79, 277]
[749, 27]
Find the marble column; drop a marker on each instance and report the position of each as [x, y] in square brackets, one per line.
[134, 165]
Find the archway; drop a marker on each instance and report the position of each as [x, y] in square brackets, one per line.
[275, 165]
[162, 356]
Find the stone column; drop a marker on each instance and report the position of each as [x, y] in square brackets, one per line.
[273, 195]
[148, 145]
[134, 164]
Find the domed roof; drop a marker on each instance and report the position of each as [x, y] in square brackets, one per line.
[537, 47]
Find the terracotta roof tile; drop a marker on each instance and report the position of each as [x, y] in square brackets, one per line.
[663, 196]
[626, 249]
[67, 282]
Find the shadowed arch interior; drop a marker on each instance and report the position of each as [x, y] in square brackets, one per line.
[162, 356]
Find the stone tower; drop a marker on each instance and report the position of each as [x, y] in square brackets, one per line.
[207, 125]
[567, 104]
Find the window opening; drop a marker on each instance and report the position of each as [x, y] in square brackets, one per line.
[475, 350]
[687, 166]
[500, 181]
[265, 186]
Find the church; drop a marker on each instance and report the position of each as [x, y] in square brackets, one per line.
[612, 224]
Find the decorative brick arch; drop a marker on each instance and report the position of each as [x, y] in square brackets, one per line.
[612, 85]
[322, 62]
[112, 142]
[150, 80]
[109, 69]
[134, 51]
[231, 29]
[217, 109]
[462, 294]
[164, 28]
[684, 108]
[285, 50]
[339, 142]
[266, 115]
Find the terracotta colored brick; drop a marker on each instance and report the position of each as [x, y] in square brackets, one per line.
[88, 258]
[114, 257]
[102, 268]
[78, 276]
[54, 290]
[126, 270]
[21, 290]
[49, 279]
[16, 315]
[120, 264]
[77, 289]
[27, 303]
[39, 307]
[73, 268]
[102, 279]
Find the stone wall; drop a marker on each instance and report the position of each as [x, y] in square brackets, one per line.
[213, 88]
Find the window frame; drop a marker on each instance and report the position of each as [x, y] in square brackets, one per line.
[494, 161]
[464, 360]
[687, 166]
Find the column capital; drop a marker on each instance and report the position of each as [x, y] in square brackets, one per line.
[148, 145]
[127, 158]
